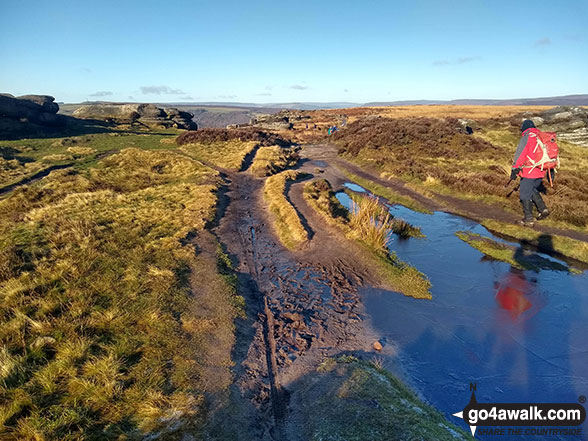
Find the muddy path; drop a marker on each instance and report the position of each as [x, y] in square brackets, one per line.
[302, 306]
[474, 210]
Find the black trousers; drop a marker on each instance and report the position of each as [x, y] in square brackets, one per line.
[529, 187]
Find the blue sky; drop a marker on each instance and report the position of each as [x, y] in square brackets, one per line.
[275, 51]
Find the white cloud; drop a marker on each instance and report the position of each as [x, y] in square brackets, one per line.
[160, 90]
[101, 93]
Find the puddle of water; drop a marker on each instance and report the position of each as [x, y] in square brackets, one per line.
[355, 187]
[520, 335]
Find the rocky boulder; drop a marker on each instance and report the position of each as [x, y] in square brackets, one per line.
[36, 109]
[569, 122]
[279, 121]
[147, 114]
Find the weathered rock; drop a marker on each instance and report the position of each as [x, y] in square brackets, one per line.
[37, 109]
[279, 121]
[45, 101]
[121, 112]
[569, 122]
[147, 114]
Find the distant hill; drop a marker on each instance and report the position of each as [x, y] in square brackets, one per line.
[221, 114]
[567, 100]
[280, 106]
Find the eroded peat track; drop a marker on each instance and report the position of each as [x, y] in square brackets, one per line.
[302, 306]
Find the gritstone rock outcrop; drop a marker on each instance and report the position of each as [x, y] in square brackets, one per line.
[147, 114]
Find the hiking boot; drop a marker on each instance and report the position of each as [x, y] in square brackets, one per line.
[528, 220]
[542, 210]
[543, 214]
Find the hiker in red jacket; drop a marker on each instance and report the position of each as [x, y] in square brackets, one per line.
[531, 178]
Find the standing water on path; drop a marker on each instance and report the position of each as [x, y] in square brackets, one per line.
[522, 336]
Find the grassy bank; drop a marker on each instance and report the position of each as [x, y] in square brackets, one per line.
[514, 256]
[102, 336]
[351, 400]
[576, 249]
[370, 227]
[286, 221]
[274, 159]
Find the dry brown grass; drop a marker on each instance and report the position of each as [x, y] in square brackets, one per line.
[326, 118]
[229, 155]
[100, 335]
[212, 135]
[287, 223]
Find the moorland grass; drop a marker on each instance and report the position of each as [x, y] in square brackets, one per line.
[24, 157]
[228, 155]
[286, 221]
[432, 154]
[382, 407]
[101, 334]
[369, 225]
[274, 159]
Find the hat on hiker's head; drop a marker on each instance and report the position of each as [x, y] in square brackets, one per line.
[527, 124]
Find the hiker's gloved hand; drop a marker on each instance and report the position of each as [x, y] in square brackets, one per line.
[514, 173]
[551, 171]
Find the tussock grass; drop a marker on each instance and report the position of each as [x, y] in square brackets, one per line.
[370, 222]
[104, 333]
[369, 212]
[287, 223]
[387, 193]
[382, 407]
[225, 154]
[511, 255]
[369, 225]
[271, 160]
[576, 249]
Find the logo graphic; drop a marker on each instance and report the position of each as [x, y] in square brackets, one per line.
[523, 414]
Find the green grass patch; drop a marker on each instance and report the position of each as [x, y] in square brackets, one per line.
[225, 154]
[387, 193]
[514, 256]
[576, 249]
[101, 334]
[351, 400]
[271, 160]
[369, 226]
[22, 158]
[287, 223]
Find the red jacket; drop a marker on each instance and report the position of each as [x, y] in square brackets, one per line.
[526, 146]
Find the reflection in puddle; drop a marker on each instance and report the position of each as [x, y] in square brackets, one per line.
[517, 296]
[354, 187]
[520, 335]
